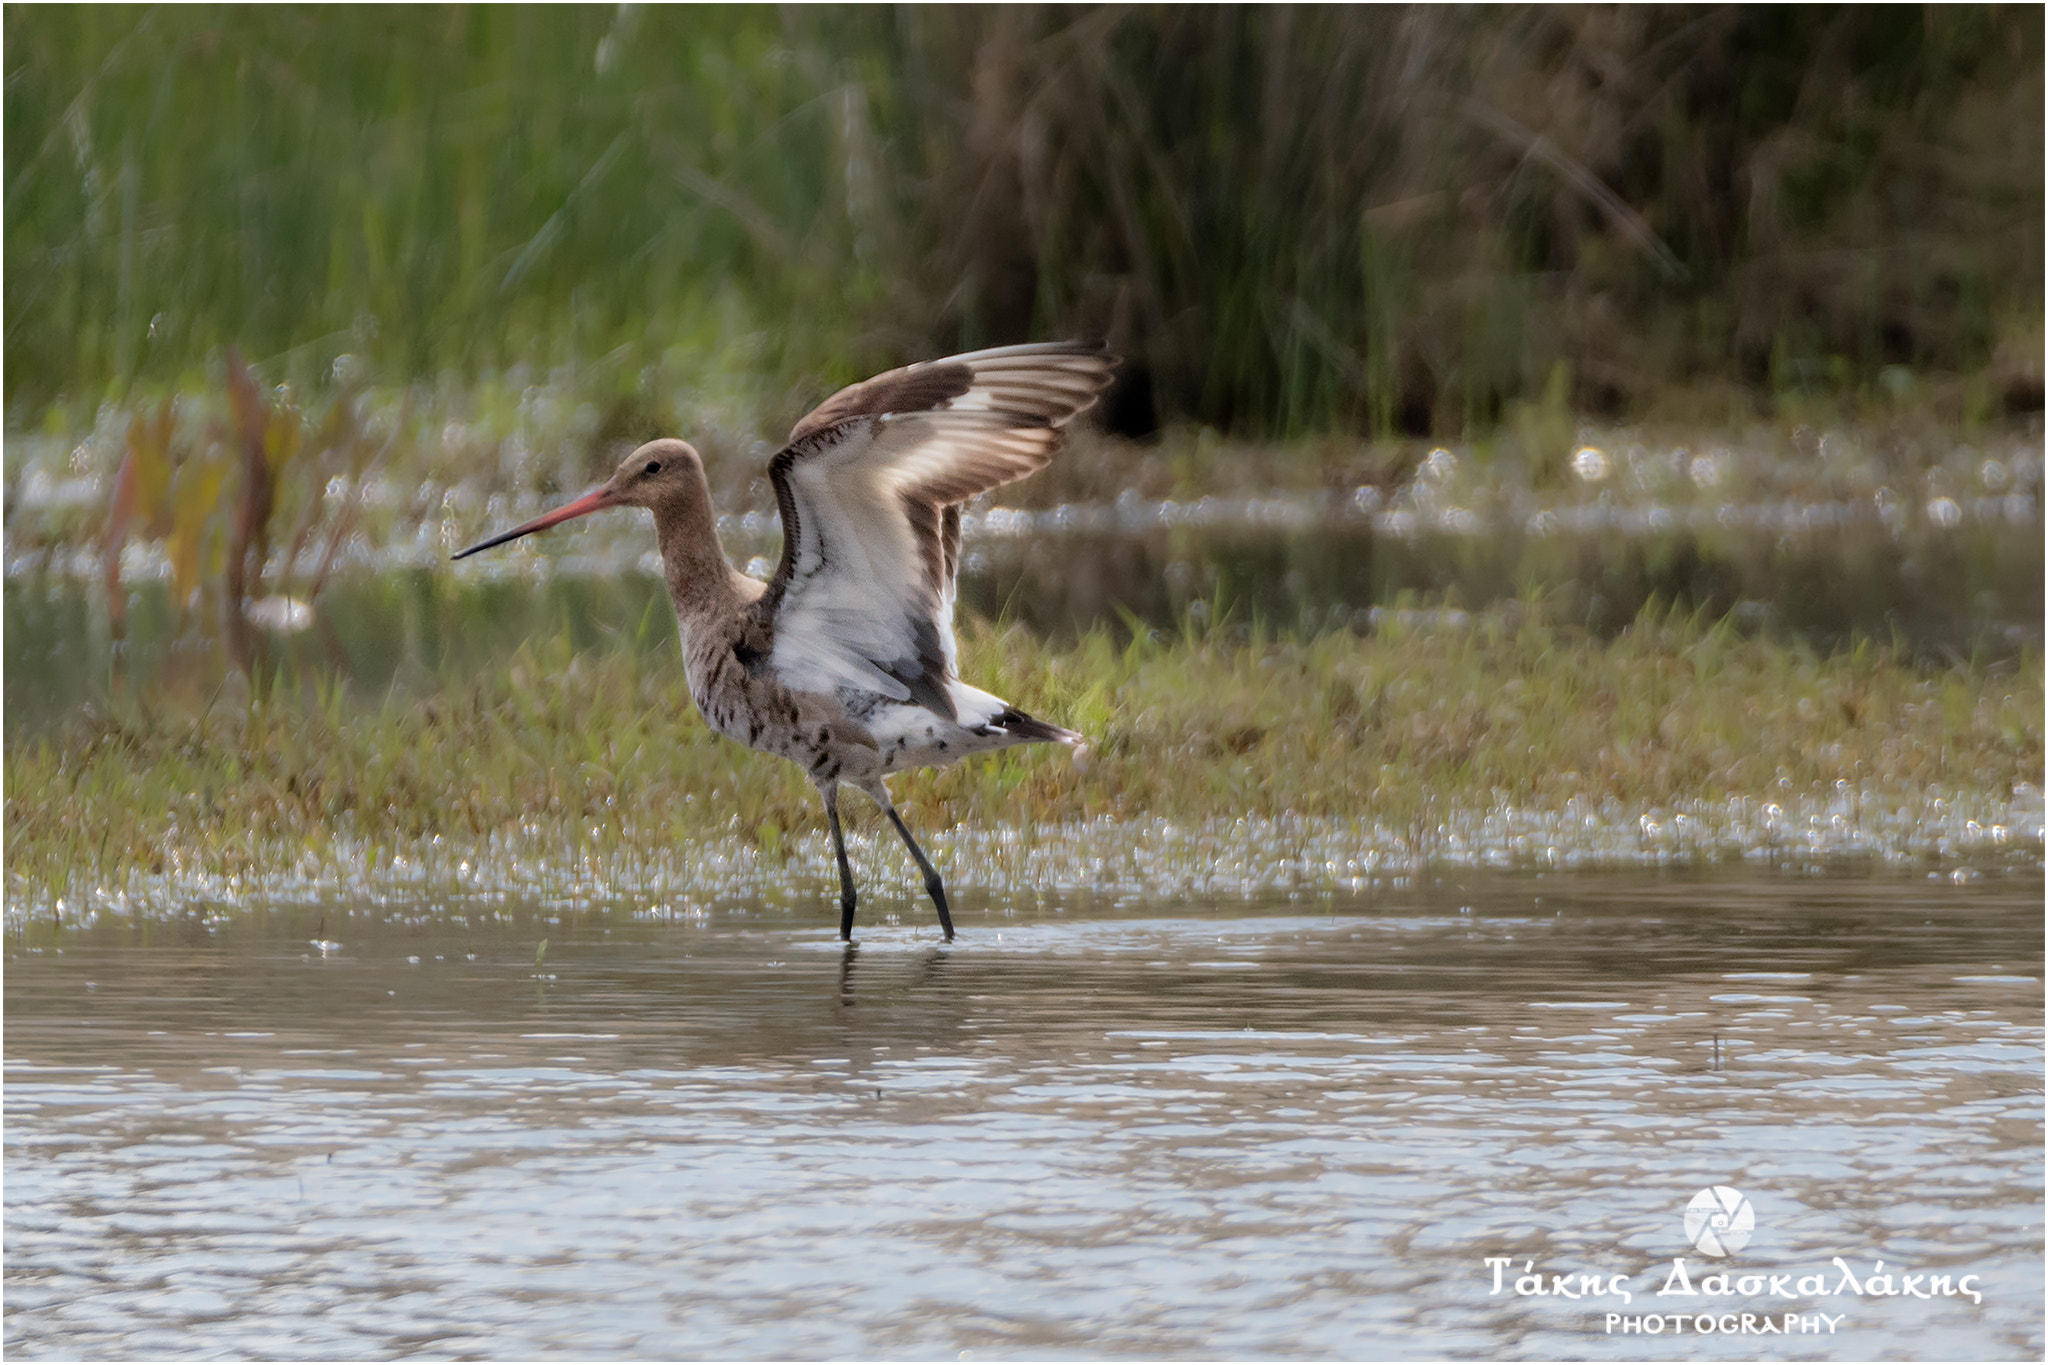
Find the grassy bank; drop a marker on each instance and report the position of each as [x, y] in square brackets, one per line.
[1214, 767]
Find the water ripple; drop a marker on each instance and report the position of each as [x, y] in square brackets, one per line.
[1092, 1137]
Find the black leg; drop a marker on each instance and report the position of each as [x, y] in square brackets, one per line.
[932, 884]
[846, 898]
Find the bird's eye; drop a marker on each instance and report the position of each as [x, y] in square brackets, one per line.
[653, 467]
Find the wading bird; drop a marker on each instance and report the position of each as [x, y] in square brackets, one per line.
[844, 662]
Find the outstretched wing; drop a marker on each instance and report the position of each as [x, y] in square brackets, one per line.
[869, 488]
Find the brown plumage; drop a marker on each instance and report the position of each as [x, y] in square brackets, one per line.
[844, 662]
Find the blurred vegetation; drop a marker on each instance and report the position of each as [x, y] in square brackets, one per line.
[285, 471]
[1294, 220]
[323, 277]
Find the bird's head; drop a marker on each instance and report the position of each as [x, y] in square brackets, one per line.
[659, 472]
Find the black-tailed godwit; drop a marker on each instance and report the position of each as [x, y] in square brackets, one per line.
[844, 661]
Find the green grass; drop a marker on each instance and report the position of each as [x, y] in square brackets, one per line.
[593, 772]
[1294, 220]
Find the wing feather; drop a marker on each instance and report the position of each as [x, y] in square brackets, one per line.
[1056, 380]
[870, 488]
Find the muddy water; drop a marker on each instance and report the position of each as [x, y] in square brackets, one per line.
[1250, 1130]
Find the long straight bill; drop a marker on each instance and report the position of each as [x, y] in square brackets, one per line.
[589, 502]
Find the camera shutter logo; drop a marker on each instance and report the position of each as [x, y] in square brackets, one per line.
[1719, 1220]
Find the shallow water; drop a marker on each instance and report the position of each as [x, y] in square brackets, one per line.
[1241, 1130]
[1971, 592]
